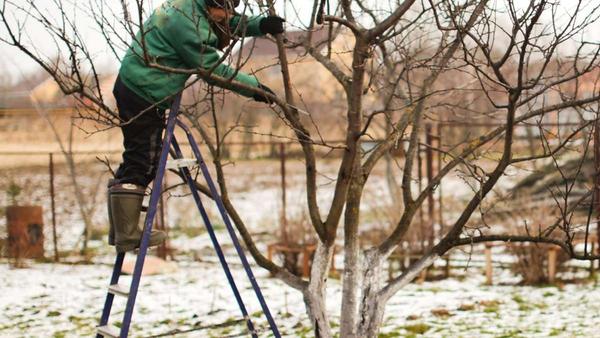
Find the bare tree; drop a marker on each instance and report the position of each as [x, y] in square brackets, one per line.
[85, 204]
[406, 62]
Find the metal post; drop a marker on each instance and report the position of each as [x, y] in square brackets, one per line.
[284, 233]
[422, 231]
[53, 207]
[429, 168]
[439, 188]
[592, 262]
[597, 176]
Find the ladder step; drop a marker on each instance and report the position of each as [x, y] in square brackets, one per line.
[109, 331]
[119, 290]
[181, 163]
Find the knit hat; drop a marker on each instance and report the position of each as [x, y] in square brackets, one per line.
[222, 3]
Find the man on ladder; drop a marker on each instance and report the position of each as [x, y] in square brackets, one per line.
[180, 34]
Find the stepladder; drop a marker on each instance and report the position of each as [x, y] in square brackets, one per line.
[171, 157]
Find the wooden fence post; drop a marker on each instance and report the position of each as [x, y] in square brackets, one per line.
[488, 265]
[552, 254]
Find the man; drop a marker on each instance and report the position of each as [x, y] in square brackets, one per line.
[180, 34]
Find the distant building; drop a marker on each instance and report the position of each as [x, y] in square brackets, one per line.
[48, 95]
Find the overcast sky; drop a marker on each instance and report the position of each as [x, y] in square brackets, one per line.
[15, 63]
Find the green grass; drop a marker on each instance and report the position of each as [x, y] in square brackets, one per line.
[286, 315]
[391, 334]
[525, 307]
[188, 231]
[98, 233]
[518, 299]
[511, 334]
[418, 328]
[491, 306]
[303, 331]
[491, 309]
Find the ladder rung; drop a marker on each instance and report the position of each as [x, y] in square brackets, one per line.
[109, 331]
[181, 163]
[119, 290]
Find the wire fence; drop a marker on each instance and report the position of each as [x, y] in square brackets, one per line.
[47, 179]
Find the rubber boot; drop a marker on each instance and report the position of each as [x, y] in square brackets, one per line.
[111, 224]
[125, 206]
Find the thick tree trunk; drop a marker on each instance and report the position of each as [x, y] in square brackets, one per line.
[375, 296]
[371, 304]
[352, 267]
[316, 294]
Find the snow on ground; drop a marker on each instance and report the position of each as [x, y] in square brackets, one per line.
[468, 308]
[48, 300]
[59, 300]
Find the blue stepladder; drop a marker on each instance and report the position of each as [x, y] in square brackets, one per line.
[115, 289]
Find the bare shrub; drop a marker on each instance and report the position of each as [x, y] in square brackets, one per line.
[297, 237]
[532, 258]
[532, 262]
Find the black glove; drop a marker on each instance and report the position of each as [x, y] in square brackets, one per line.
[271, 25]
[263, 98]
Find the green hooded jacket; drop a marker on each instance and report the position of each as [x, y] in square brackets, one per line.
[178, 34]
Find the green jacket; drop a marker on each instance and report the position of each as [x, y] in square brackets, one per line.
[179, 35]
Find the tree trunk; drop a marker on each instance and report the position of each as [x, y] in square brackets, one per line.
[390, 175]
[371, 304]
[315, 295]
[352, 268]
[84, 210]
[375, 297]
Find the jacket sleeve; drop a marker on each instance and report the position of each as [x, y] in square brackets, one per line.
[242, 25]
[192, 42]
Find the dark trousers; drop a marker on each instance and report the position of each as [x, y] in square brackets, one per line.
[142, 136]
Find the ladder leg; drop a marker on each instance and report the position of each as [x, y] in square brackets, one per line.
[156, 191]
[191, 183]
[230, 229]
[114, 279]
